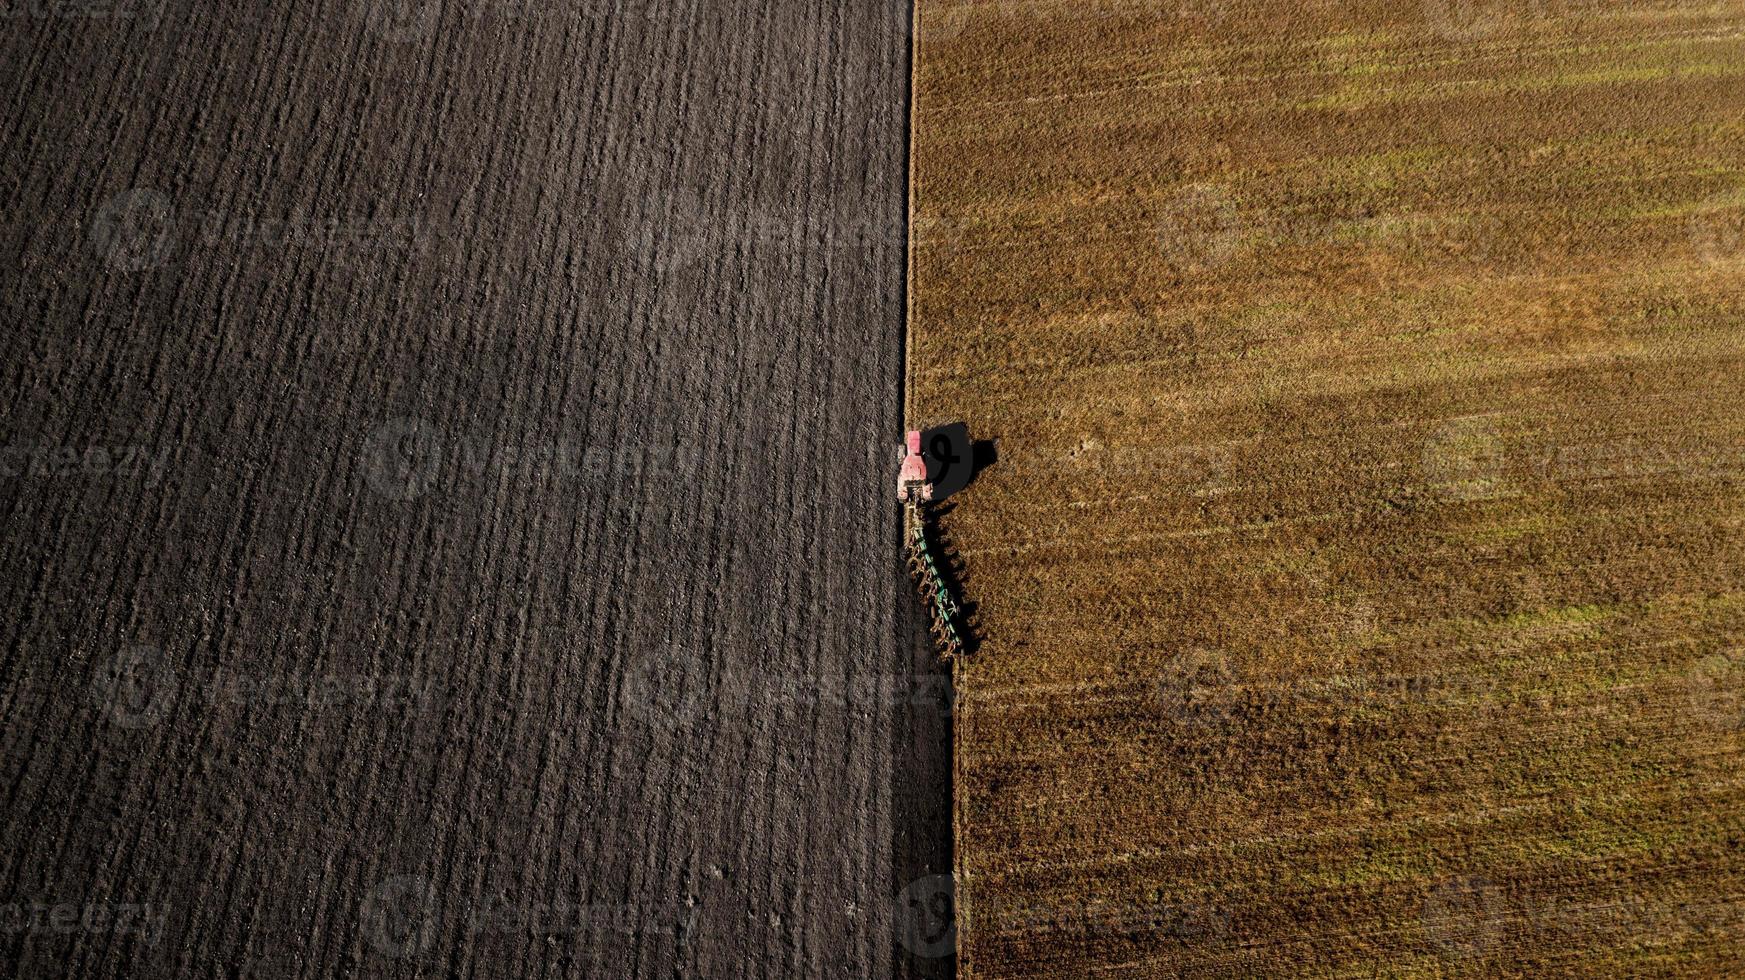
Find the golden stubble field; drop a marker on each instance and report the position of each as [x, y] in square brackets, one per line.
[1362, 581]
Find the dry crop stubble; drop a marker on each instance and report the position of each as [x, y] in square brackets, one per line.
[1364, 562]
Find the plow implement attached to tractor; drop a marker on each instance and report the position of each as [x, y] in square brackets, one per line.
[942, 610]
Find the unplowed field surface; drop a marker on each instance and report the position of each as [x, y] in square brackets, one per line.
[446, 492]
[1362, 580]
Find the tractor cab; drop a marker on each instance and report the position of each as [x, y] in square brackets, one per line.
[913, 487]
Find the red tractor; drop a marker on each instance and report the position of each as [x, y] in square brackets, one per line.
[913, 487]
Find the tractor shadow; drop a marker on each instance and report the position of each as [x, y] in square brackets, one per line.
[983, 453]
[946, 448]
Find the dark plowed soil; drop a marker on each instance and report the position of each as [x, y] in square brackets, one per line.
[446, 474]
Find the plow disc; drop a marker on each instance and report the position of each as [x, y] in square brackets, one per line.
[943, 614]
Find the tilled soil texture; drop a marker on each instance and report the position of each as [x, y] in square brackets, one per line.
[447, 491]
[1362, 580]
